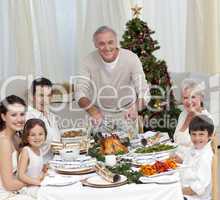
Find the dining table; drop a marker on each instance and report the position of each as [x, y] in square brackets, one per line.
[76, 191]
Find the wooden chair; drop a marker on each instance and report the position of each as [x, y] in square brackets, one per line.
[215, 168]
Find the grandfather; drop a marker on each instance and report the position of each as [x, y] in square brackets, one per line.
[112, 81]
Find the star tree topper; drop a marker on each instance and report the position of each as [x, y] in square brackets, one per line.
[136, 11]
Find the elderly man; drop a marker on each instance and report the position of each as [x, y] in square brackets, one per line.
[112, 81]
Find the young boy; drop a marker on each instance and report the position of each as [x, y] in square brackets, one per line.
[196, 177]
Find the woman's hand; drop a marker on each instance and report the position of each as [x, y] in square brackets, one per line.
[187, 121]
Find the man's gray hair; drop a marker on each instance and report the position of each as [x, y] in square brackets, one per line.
[103, 29]
[194, 85]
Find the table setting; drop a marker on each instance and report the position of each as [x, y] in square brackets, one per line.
[136, 165]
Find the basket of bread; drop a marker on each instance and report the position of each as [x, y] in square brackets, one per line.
[72, 136]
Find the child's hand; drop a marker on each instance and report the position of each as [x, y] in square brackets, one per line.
[45, 168]
[176, 158]
[41, 177]
[38, 181]
[188, 191]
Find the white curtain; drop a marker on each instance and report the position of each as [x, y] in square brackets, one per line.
[203, 36]
[66, 26]
[50, 37]
[7, 45]
[29, 39]
[167, 18]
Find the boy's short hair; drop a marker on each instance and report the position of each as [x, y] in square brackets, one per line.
[40, 82]
[202, 123]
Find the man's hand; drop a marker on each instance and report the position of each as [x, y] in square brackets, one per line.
[92, 110]
[131, 112]
[96, 118]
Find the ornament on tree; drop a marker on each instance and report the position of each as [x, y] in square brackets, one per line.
[157, 104]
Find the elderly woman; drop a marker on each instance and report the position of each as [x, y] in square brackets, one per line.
[12, 118]
[192, 99]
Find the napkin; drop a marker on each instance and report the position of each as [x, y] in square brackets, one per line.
[59, 180]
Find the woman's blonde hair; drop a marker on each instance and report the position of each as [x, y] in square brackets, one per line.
[196, 87]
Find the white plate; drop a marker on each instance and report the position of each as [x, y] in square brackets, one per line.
[99, 182]
[142, 160]
[164, 178]
[61, 184]
[74, 171]
[170, 172]
[149, 134]
[58, 181]
[155, 153]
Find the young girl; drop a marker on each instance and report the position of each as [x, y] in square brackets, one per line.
[30, 167]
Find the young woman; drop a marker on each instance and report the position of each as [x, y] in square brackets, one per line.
[12, 118]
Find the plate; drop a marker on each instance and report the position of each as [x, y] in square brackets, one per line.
[139, 162]
[99, 182]
[155, 152]
[149, 159]
[61, 184]
[59, 180]
[169, 172]
[164, 178]
[74, 171]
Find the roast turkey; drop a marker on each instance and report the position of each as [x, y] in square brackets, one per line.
[112, 145]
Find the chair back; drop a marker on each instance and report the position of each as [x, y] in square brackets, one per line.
[214, 144]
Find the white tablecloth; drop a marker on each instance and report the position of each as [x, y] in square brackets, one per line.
[125, 192]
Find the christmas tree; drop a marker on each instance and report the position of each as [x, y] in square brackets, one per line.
[161, 113]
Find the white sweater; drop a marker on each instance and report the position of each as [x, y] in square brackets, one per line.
[112, 89]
